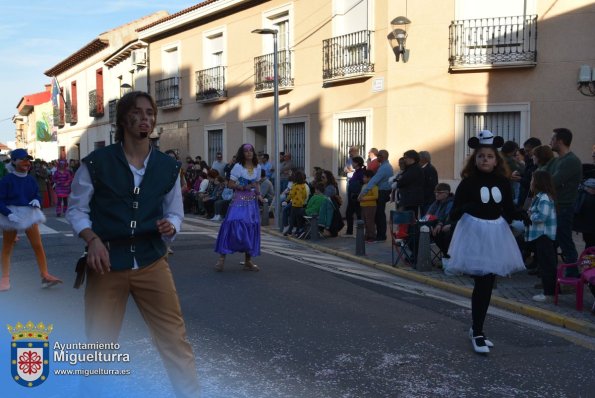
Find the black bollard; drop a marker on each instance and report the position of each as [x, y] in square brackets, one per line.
[424, 261]
[360, 242]
[264, 216]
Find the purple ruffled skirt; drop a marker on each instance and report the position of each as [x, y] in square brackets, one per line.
[240, 230]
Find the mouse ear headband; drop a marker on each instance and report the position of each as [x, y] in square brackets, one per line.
[485, 138]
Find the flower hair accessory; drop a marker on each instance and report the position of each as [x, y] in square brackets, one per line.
[485, 138]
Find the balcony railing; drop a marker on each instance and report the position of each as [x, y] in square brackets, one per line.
[111, 109]
[347, 55]
[95, 104]
[210, 84]
[493, 42]
[264, 71]
[167, 93]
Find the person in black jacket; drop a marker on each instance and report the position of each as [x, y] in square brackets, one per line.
[411, 184]
[430, 179]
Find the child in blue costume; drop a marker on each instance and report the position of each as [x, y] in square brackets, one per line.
[20, 211]
[240, 230]
[482, 244]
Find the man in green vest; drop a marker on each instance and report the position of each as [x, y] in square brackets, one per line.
[126, 203]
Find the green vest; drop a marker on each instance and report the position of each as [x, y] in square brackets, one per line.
[124, 216]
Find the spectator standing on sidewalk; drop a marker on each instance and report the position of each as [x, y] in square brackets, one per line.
[567, 175]
[219, 164]
[354, 187]
[430, 179]
[297, 198]
[372, 163]
[530, 167]
[411, 184]
[541, 232]
[349, 169]
[380, 180]
[584, 217]
[126, 202]
[482, 244]
[368, 208]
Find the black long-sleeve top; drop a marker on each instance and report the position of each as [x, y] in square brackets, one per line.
[484, 195]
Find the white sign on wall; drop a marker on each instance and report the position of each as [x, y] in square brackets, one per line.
[378, 84]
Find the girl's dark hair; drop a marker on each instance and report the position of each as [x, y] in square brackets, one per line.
[359, 160]
[330, 178]
[543, 182]
[412, 154]
[543, 153]
[471, 169]
[240, 155]
[319, 187]
[299, 177]
[213, 173]
[124, 105]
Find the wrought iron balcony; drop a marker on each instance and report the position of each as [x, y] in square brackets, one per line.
[95, 104]
[111, 109]
[167, 93]
[501, 42]
[210, 84]
[264, 76]
[347, 56]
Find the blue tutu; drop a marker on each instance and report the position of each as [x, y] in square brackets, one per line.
[240, 230]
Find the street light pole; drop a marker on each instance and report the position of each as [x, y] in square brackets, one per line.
[277, 187]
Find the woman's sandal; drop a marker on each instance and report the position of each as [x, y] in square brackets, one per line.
[219, 265]
[250, 266]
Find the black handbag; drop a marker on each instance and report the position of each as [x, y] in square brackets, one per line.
[81, 270]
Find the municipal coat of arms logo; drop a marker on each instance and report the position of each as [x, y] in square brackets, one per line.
[29, 353]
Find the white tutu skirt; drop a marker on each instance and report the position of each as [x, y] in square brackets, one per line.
[481, 247]
[29, 215]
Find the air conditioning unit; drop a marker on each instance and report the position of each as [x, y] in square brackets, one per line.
[139, 57]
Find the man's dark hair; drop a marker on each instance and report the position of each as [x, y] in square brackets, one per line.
[265, 156]
[564, 135]
[124, 105]
[532, 142]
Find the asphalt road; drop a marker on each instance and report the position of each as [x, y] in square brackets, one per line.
[316, 327]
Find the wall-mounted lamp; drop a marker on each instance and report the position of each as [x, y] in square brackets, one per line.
[586, 81]
[398, 37]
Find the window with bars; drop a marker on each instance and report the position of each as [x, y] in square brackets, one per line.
[352, 132]
[294, 142]
[505, 124]
[214, 144]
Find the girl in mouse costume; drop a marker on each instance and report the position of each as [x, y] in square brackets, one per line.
[20, 211]
[483, 245]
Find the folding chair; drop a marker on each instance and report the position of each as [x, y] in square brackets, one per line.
[584, 260]
[403, 236]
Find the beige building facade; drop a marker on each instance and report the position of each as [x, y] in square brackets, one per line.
[509, 66]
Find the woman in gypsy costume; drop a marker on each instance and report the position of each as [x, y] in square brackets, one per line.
[62, 179]
[240, 230]
[20, 211]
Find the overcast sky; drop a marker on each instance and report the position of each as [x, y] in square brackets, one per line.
[37, 34]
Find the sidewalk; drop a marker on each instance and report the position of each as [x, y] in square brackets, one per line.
[513, 294]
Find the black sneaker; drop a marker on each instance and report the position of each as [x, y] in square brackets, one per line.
[479, 344]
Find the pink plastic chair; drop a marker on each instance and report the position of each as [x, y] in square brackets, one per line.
[578, 282]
